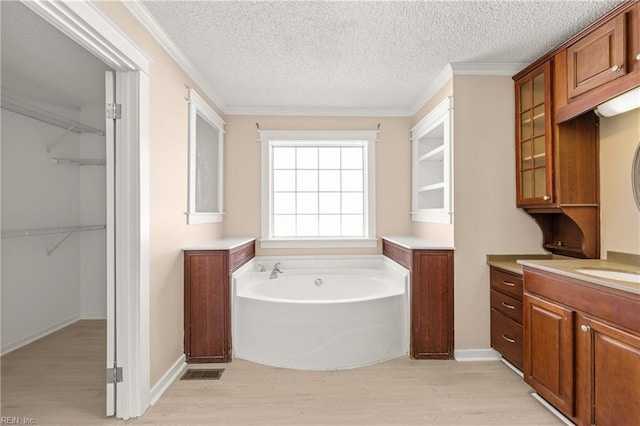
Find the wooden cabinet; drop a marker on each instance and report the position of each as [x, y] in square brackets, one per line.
[582, 348]
[610, 361]
[599, 63]
[207, 311]
[431, 316]
[557, 169]
[597, 58]
[534, 135]
[506, 315]
[548, 344]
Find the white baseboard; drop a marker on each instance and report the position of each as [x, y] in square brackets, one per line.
[165, 381]
[32, 337]
[468, 355]
[96, 316]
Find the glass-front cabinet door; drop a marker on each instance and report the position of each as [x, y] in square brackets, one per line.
[534, 166]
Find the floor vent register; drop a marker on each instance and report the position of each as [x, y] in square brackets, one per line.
[202, 374]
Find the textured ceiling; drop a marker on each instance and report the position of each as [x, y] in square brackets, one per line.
[356, 55]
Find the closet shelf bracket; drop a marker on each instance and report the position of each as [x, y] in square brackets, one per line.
[53, 144]
[68, 230]
[80, 161]
[22, 107]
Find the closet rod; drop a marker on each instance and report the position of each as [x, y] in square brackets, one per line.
[37, 113]
[19, 233]
[81, 161]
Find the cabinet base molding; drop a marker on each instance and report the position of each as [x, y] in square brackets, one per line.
[512, 367]
[470, 355]
[549, 407]
[167, 379]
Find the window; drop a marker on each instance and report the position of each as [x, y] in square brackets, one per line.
[206, 137]
[318, 189]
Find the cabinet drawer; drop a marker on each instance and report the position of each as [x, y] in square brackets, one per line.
[507, 305]
[506, 338]
[506, 283]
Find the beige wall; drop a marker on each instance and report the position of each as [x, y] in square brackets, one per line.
[619, 217]
[243, 168]
[486, 220]
[168, 192]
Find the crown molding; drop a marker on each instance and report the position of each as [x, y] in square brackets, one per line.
[464, 68]
[319, 111]
[506, 69]
[142, 14]
[441, 79]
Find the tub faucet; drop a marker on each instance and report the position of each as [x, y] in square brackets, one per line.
[274, 271]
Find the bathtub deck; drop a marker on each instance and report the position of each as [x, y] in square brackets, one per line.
[397, 392]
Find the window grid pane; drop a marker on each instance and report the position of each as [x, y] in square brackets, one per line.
[318, 191]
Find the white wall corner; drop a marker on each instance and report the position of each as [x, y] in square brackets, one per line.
[168, 378]
[469, 355]
[143, 15]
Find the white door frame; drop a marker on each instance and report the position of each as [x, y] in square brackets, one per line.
[88, 26]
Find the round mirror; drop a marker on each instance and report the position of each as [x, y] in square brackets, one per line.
[635, 176]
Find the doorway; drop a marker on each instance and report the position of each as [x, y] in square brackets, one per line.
[127, 204]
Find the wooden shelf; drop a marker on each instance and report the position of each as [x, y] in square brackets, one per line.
[436, 154]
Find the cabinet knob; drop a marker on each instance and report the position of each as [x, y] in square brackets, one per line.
[585, 328]
[638, 57]
[616, 68]
[546, 198]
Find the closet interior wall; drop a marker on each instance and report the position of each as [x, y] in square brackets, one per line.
[50, 279]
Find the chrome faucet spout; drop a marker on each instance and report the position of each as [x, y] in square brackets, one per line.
[275, 271]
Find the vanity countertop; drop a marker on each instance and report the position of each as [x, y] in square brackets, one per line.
[220, 244]
[569, 268]
[509, 262]
[417, 243]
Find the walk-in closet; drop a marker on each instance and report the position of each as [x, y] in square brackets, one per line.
[54, 205]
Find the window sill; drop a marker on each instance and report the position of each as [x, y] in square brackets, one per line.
[320, 243]
[195, 218]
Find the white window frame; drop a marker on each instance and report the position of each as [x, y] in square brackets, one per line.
[270, 137]
[199, 107]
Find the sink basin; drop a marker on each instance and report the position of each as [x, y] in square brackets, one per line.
[612, 274]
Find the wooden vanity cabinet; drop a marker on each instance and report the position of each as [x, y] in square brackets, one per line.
[506, 315]
[582, 348]
[431, 307]
[207, 300]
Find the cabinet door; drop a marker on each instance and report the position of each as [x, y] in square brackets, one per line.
[548, 351]
[534, 138]
[597, 58]
[432, 304]
[206, 307]
[608, 375]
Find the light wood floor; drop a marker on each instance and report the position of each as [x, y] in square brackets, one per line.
[60, 380]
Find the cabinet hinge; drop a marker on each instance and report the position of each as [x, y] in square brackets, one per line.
[114, 111]
[114, 375]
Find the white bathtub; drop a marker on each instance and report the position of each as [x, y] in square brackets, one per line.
[321, 314]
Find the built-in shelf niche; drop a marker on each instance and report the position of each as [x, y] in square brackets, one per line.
[431, 165]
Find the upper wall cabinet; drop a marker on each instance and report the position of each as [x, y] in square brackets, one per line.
[599, 63]
[206, 137]
[597, 58]
[534, 177]
[431, 165]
